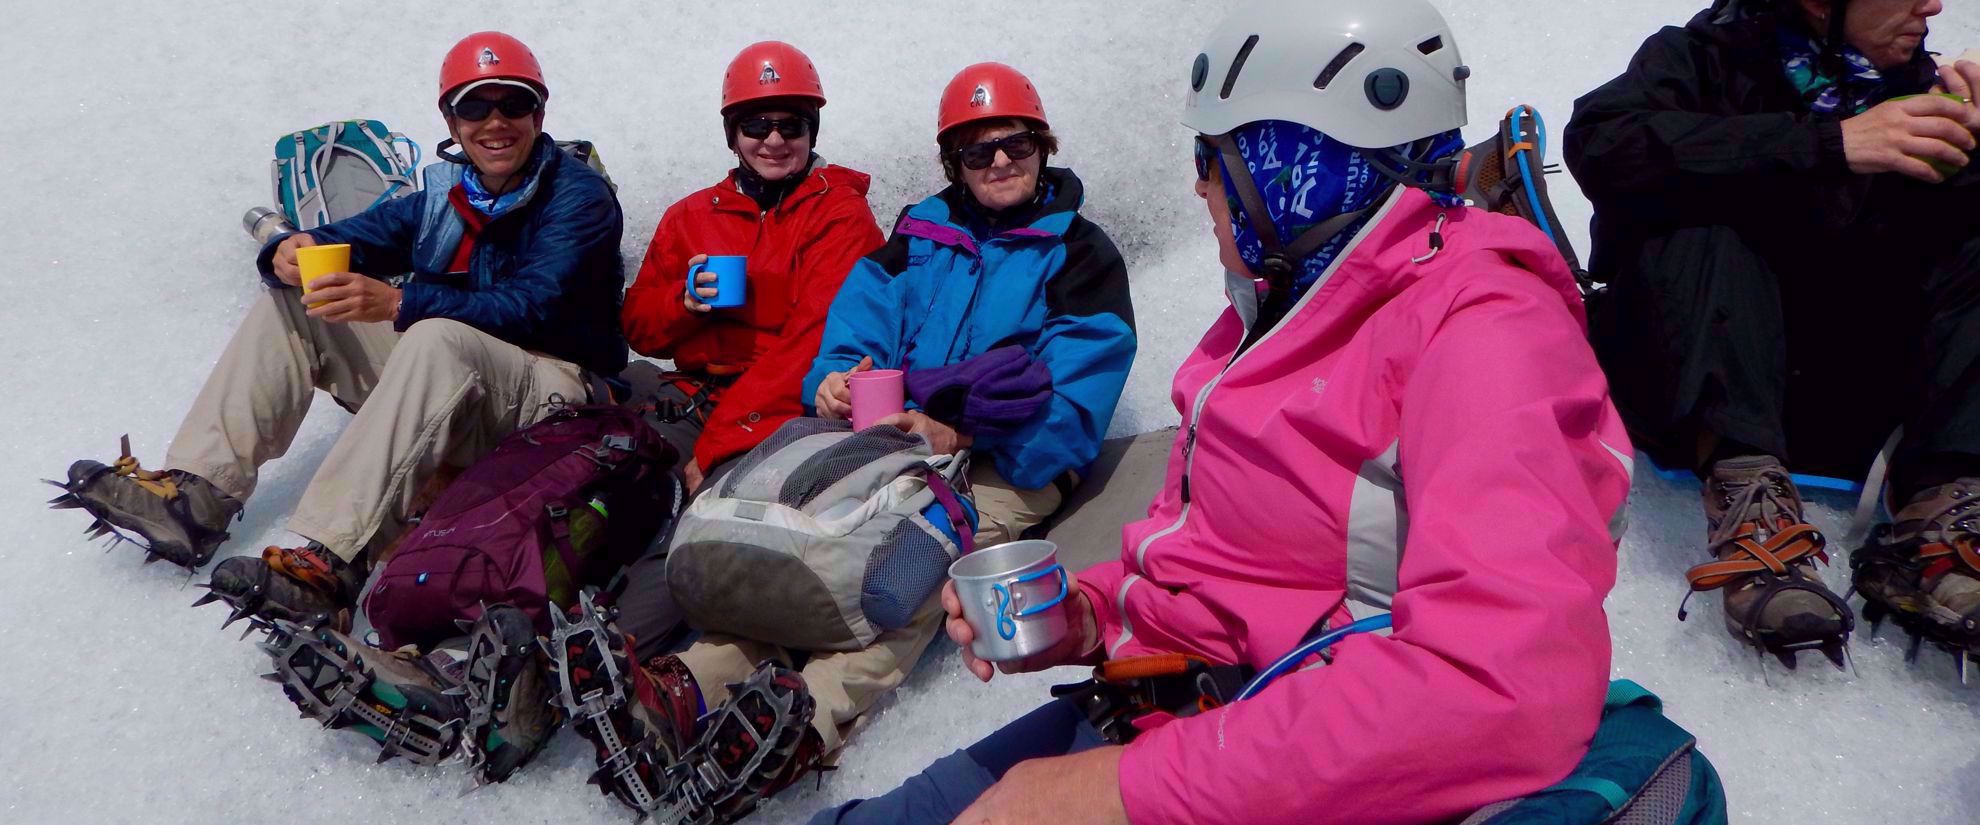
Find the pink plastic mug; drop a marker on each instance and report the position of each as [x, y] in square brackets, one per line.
[876, 394]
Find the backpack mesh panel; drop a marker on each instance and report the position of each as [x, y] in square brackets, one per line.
[903, 571]
[1661, 801]
[793, 430]
[838, 461]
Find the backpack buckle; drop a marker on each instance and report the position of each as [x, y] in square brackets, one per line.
[623, 443]
[555, 510]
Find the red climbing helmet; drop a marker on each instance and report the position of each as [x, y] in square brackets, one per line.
[988, 91]
[489, 56]
[770, 69]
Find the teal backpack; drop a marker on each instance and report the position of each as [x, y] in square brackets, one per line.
[1641, 769]
[339, 169]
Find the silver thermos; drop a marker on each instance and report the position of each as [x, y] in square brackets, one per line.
[264, 223]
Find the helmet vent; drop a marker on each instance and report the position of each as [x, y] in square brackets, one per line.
[1431, 46]
[1237, 65]
[1335, 66]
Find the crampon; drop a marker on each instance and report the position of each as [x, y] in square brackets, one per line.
[401, 704]
[171, 516]
[752, 746]
[295, 585]
[507, 707]
[1771, 567]
[1889, 577]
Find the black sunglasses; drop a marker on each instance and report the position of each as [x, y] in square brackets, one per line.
[758, 128]
[1206, 158]
[980, 155]
[477, 109]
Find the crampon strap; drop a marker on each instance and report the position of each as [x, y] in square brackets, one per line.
[160, 484]
[303, 564]
[1942, 557]
[1795, 542]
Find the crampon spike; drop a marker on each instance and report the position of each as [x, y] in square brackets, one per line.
[65, 501]
[1911, 654]
[207, 599]
[1837, 654]
[274, 677]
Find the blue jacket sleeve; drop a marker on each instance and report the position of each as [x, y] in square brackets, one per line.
[382, 239]
[865, 319]
[1088, 344]
[575, 226]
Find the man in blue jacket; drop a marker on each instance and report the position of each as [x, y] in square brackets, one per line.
[513, 298]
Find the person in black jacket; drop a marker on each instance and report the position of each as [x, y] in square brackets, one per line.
[1790, 239]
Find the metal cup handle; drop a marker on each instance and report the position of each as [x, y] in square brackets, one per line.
[1007, 620]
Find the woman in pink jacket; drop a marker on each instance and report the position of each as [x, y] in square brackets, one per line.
[1399, 413]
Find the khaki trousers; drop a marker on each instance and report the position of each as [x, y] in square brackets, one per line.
[846, 684]
[442, 392]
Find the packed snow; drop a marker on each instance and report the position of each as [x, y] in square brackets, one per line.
[136, 133]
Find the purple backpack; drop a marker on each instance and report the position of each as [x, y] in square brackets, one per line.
[562, 503]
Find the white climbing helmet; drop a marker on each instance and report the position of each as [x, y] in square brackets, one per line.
[1368, 73]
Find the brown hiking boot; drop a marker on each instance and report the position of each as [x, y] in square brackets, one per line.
[1925, 568]
[292, 584]
[181, 517]
[1766, 555]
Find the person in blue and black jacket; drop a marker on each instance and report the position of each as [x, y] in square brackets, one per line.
[1008, 310]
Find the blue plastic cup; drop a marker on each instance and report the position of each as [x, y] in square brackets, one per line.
[731, 280]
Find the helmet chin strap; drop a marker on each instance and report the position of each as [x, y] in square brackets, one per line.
[1279, 262]
[1439, 176]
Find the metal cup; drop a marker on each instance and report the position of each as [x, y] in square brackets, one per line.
[1013, 595]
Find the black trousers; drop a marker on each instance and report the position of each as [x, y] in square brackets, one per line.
[646, 604]
[1812, 351]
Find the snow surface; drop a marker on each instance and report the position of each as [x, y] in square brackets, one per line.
[135, 134]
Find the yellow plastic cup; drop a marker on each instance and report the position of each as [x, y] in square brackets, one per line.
[322, 259]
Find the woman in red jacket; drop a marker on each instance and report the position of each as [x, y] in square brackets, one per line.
[802, 223]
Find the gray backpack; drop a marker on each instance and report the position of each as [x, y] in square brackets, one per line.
[821, 538]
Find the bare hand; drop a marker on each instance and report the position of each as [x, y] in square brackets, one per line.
[834, 400]
[690, 298]
[1909, 137]
[1084, 636]
[347, 297]
[1963, 79]
[942, 438]
[286, 269]
[1077, 789]
[691, 474]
